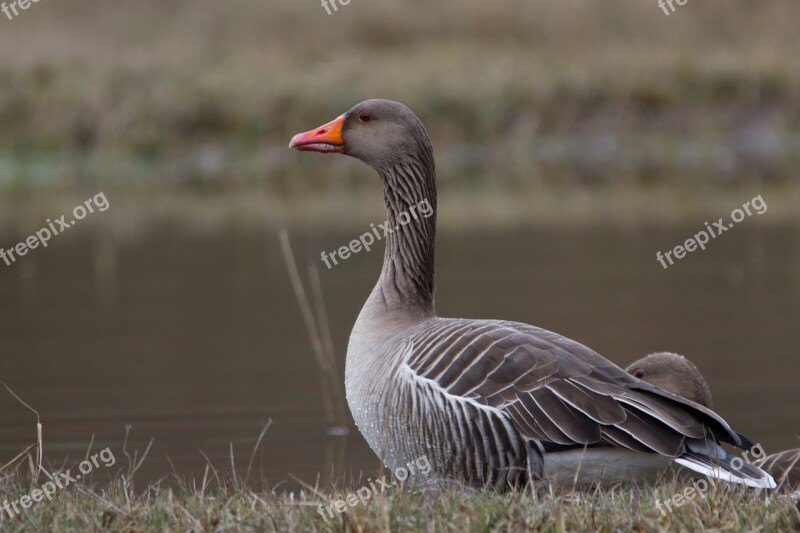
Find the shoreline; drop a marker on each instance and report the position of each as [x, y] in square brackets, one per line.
[458, 210]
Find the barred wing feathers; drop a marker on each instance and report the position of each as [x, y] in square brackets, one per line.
[562, 395]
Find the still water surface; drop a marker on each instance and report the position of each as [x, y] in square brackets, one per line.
[194, 338]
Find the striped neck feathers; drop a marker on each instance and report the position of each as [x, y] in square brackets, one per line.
[407, 278]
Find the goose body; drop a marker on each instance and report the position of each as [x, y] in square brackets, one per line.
[675, 373]
[489, 401]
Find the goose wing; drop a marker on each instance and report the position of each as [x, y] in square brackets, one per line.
[557, 392]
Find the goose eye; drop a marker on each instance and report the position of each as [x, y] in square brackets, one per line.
[640, 374]
[364, 116]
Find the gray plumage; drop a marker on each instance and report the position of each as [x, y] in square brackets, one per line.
[491, 402]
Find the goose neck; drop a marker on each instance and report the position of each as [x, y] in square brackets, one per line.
[407, 277]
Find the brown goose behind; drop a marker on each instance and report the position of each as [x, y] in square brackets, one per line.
[676, 374]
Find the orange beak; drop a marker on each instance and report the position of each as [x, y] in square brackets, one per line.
[326, 139]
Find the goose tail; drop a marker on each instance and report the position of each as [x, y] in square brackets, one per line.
[711, 460]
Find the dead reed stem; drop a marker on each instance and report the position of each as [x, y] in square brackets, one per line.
[319, 333]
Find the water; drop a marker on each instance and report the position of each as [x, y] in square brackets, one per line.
[193, 337]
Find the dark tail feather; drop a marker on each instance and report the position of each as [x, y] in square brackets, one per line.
[709, 459]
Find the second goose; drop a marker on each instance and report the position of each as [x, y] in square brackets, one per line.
[677, 374]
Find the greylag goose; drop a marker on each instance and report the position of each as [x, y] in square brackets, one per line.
[491, 402]
[675, 373]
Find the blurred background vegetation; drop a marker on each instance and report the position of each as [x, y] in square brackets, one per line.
[541, 110]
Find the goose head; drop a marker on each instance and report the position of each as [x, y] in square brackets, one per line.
[673, 373]
[381, 133]
[389, 137]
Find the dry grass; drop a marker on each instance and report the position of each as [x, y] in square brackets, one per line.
[217, 505]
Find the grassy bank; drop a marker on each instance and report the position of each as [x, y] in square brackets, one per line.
[225, 507]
